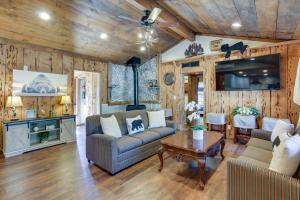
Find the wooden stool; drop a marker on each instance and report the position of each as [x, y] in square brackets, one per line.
[217, 127]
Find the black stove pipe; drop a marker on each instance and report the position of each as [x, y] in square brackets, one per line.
[134, 62]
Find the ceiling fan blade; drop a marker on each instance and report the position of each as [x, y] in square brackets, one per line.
[154, 14]
[128, 19]
[167, 24]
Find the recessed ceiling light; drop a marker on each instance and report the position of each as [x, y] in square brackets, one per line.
[264, 71]
[44, 15]
[236, 24]
[103, 36]
[140, 35]
[240, 72]
[245, 75]
[151, 31]
[142, 48]
[252, 58]
[265, 74]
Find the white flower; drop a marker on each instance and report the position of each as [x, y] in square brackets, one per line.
[193, 116]
[190, 106]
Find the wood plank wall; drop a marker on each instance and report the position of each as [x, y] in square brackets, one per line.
[15, 56]
[276, 104]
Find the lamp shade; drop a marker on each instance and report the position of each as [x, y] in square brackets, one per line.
[14, 101]
[65, 100]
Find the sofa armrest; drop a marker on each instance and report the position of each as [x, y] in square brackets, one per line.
[247, 181]
[171, 124]
[102, 150]
[261, 134]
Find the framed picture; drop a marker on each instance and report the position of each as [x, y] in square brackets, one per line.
[30, 114]
[215, 45]
[29, 83]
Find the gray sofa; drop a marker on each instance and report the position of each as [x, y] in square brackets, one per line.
[114, 154]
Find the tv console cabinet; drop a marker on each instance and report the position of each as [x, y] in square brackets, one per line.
[32, 134]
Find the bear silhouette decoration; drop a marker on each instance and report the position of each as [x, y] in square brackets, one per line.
[136, 124]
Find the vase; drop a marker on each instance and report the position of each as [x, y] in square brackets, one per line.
[198, 134]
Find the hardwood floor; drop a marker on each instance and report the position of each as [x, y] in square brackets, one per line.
[62, 172]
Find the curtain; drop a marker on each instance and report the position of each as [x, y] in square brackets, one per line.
[297, 90]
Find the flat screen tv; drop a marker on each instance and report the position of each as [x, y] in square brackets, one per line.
[257, 73]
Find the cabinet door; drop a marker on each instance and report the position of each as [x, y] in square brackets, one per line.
[68, 130]
[16, 139]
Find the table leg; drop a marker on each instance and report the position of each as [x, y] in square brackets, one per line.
[222, 148]
[202, 174]
[160, 155]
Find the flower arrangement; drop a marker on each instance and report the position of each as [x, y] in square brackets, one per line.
[245, 110]
[193, 109]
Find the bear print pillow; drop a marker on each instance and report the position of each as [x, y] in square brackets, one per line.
[135, 125]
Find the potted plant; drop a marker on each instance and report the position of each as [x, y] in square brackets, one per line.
[245, 111]
[44, 136]
[194, 115]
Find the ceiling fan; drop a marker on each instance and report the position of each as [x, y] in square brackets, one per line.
[149, 37]
[147, 20]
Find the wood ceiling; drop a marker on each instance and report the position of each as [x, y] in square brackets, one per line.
[75, 25]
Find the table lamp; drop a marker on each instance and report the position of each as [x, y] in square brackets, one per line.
[66, 100]
[13, 102]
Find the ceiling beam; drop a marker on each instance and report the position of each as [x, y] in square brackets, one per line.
[244, 38]
[166, 17]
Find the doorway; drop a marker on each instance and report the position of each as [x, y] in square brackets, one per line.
[87, 99]
[194, 91]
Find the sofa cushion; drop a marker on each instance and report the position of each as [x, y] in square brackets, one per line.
[110, 126]
[254, 162]
[147, 136]
[258, 154]
[135, 113]
[156, 119]
[163, 131]
[120, 116]
[286, 158]
[259, 143]
[127, 143]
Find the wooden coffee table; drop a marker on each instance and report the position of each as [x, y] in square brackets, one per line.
[182, 147]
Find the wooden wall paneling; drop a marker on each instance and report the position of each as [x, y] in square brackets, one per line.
[279, 98]
[2, 88]
[44, 64]
[57, 67]
[68, 69]
[86, 65]
[78, 64]
[103, 69]
[266, 103]
[11, 61]
[193, 88]
[277, 104]
[30, 60]
[293, 59]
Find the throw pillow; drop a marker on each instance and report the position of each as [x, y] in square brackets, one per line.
[279, 139]
[286, 158]
[135, 125]
[280, 127]
[110, 126]
[156, 119]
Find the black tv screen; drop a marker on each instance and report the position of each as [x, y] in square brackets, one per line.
[257, 73]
